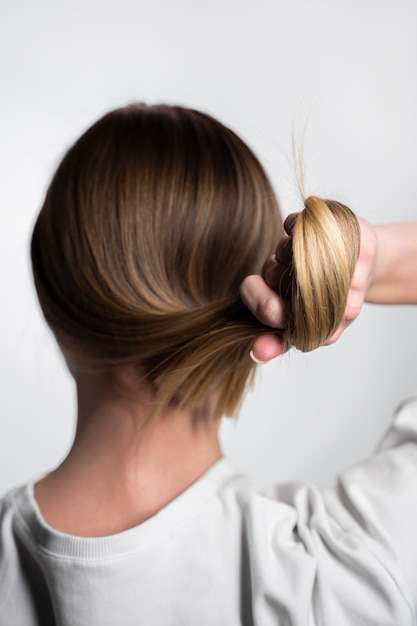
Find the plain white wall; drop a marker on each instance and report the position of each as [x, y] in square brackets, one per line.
[264, 68]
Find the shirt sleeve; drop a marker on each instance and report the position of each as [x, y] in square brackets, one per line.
[355, 544]
[377, 500]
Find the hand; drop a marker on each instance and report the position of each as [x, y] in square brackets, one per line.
[265, 295]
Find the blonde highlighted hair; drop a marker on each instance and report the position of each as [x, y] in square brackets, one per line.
[326, 243]
[152, 220]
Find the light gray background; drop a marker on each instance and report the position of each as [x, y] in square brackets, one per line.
[264, 67]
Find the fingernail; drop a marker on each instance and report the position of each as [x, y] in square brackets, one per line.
[255, 360]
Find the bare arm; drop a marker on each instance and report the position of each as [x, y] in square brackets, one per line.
[394, 279]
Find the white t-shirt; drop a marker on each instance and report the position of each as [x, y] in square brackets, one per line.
[221, 554]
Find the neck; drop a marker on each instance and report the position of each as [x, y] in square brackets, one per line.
[123, 468]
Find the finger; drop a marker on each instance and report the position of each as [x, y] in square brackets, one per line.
[279, 278]
[277, 271]
[267, 347]
[263, 301]
[345, 324]
[289, 222]
[336, 335]
[283, 252]
[269, 266]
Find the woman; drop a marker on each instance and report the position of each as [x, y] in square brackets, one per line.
[153, 222]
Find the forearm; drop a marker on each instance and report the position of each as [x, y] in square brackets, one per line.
[394, 277]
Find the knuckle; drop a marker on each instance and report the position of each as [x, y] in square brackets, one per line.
[268, 311]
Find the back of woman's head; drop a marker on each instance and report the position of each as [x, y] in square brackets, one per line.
[150, 223]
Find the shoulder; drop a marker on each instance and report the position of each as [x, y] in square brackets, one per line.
[8, 506]
[14, 525]
[358, 535]
[310, 552]
[10, 517]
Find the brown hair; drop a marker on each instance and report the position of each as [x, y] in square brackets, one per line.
[150, 223]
